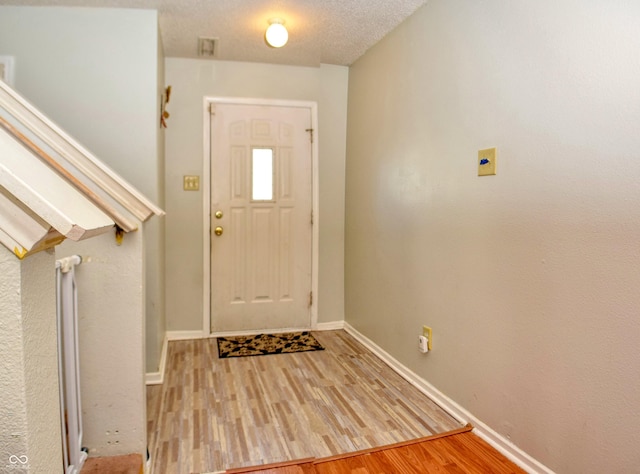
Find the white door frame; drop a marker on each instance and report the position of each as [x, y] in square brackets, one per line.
[205, 184]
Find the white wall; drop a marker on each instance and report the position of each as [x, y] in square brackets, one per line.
[529, 278]
[95, 72]
[30, 404]
[191, 81]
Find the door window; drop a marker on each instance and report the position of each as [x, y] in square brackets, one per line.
[262, 174]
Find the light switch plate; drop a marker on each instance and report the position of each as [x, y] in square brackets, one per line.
[487, 161]
[191, 183]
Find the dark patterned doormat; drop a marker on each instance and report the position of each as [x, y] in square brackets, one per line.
[263, 344]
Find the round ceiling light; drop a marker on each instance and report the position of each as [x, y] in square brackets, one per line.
[276, 34]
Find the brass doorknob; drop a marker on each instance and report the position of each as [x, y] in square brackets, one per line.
[218, 230]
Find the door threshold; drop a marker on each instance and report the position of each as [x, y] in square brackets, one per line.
[254, 332]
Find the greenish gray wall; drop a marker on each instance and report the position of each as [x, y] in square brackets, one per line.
[96, 73]
[529, 278]
[191, 81]
[155, 310]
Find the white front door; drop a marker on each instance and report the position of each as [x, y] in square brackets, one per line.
[261, 217]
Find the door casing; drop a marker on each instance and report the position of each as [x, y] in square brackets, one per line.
[205, 186]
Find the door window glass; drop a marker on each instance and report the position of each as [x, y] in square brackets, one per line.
[262, 174]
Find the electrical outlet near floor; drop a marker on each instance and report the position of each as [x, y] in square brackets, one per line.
[428, 333]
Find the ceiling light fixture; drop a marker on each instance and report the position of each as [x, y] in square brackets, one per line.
[276, 34]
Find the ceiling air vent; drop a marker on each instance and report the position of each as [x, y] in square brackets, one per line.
[207, 47]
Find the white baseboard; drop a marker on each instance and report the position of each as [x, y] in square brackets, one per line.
[185, 335]
[153, 378]
[330, 326]
[492, 437]
[157, 378]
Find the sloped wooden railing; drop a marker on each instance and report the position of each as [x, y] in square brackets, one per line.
[73, 158]
[37, 208]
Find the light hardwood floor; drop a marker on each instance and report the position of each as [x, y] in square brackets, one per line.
[455, 452]
[214, 414]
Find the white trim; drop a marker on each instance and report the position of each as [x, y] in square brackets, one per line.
[492, 437]
[330, 326]
[40, 208]
[315, 190]
[58, 204]
[78, 157]
[185, 335]
[20, 232]
[206, 216]
[157, 378]
[206, 198]
[153, 378]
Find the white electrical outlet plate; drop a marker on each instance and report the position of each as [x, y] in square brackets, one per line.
[423, 344]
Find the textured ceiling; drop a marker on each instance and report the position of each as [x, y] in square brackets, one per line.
[320, 31]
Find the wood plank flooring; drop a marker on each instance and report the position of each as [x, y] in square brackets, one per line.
[460, 452]
[215, 414]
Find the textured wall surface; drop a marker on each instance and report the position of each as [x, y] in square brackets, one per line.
[192, 80]
[29, 405]
[111, 328]
[529, 278]
[320, 32]
[12, 378]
